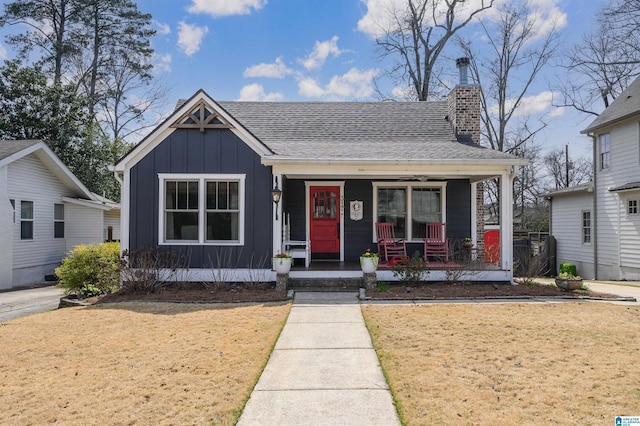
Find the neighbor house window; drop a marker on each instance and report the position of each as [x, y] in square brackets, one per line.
[586, 227]
[26, 220]
[632, 206]
[58, 221]
[13, 209]
[203, 209]
[409, 207]
[605, 151]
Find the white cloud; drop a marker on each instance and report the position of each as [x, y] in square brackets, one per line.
[190, 37]
[529, 105]
[162, 63]
[353, 84]
[321, 52]
[162, 28]
[381, 14]
[217, 8]
[3, 53]
[255, 92]
[275, 70]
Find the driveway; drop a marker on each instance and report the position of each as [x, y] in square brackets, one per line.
[20, 303]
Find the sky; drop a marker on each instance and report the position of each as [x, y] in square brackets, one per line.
[317, 50]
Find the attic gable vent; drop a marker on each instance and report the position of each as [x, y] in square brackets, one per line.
[202, 117]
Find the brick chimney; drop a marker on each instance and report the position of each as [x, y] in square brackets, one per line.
[464, 116]
[464, 106]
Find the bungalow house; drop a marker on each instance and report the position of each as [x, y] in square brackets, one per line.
[602, 232]
[45, 211]
[201, 183]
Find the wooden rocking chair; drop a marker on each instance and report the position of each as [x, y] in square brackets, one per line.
[388, 245]
[436, 244]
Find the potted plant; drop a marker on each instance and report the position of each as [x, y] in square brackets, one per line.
[467, 243]
[369, 262]
[568, 281]
[282, 262]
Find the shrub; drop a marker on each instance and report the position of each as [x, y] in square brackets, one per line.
[413, 271]
[96, 265]
[568, 268]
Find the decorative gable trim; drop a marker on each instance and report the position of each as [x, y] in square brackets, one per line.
[188, 115]
[202, 116]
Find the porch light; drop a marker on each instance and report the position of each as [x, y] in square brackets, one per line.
[276, 193]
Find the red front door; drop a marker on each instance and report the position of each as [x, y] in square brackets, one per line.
[325, 221]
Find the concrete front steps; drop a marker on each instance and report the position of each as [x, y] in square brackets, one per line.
[325, 284]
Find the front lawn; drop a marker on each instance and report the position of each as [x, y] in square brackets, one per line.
[506, 364]
[135, 363]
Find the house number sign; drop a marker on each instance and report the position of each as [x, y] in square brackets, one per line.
[355, 210]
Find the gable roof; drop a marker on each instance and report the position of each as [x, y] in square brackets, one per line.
[584, 187]
[356, 130]
[14, 150]
[626, 105]
[327, 131]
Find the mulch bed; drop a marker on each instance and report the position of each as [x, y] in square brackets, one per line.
[478, 290]
[242, 292]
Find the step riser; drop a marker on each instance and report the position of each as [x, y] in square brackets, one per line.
[321, 284]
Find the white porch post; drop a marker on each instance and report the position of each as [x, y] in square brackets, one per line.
[506, 222]
[277, 210]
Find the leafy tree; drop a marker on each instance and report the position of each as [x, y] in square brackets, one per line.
[417, 36]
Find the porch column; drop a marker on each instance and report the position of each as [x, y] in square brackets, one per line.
[277, 210]
[506, 222]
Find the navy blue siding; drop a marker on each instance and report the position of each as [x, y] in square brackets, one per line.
[359, 235]
[214, 151]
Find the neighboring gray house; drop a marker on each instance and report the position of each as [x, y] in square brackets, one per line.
[611, 212]
[201, 182]
[45, 211]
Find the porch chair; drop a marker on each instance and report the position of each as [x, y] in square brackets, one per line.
[295, 248]
[436, 243]
[388, 245]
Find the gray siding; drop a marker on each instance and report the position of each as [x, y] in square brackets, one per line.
[214, 151]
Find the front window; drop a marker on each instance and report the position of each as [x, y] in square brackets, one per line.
[632, 206]
[605, 151]
[58, 221]
[202, 209]
[26, 220]
[409, 207]
[586, 227]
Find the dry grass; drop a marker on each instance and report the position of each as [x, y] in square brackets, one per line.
[135, 363]
[569, 363]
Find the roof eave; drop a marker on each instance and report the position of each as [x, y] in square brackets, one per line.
[277, 160]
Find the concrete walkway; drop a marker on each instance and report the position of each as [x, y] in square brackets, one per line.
[323, 370]
[21, 302]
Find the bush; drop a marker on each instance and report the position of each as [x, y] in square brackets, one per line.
[568, 268]
[90, 269]
[413, 271]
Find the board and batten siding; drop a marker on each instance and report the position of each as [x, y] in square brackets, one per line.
[624, 168]
[30, 180]
[210, 152]
[566, 227]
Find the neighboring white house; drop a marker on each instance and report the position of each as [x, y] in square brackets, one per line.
[45, 211]
[614, 220]
[571, 225]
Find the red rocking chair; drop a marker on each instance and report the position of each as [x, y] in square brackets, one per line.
[436, 244]
[388, 245]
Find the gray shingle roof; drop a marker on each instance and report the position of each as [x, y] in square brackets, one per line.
[357, 130]
[626, 105]
[626, 187]
[8, 148]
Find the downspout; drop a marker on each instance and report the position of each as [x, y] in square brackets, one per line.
[594, 237]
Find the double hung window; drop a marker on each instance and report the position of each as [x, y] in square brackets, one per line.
[203, 209]
[605, 151]
[58, 221]
[26, 220]
[586, 227]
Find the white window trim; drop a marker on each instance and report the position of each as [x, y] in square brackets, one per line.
[202, 199]
[626, 206]
[59, 221]
[409, 186]
[32, 220]
[582, 228]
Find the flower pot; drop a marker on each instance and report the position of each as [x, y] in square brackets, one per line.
[467, 245]
[368, 264]
[282, 265]
[568, 284]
